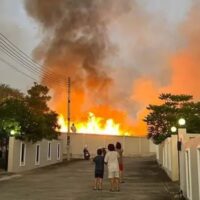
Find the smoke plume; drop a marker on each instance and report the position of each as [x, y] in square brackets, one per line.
[75, 44]
[119, 56]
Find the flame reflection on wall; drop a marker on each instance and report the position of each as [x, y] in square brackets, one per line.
[94, 125]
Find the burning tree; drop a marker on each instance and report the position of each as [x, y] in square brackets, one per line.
[162, 117]
[29, 117]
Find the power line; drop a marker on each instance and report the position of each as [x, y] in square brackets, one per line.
[14, 57]
[19, 71]
[13, 54]
[16, 69]
[24, 55]
[27, 67]
[7, 45]
[10, 49]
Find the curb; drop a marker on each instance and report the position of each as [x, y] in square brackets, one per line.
[8, 177]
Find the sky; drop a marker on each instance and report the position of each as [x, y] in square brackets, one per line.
[26, 34]
[142, 48]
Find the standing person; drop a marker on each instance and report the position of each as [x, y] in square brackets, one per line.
[111, 159]
[99, 170]
[121, 164]
[73, 128]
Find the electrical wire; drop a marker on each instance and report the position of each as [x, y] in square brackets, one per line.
[11, 50]
[4, 39]
[16, 69]
[10, 46]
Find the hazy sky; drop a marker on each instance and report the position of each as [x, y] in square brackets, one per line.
[22, 31]
[25, 33]
[128, 51]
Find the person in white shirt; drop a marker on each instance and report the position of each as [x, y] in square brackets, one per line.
[111, 159]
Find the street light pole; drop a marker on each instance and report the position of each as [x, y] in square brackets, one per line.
[181, 122]
[174, 130]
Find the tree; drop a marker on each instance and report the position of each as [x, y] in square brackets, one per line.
[162, 117]
[7, 126]
[13, 115]
[37, 98]
[8, 92]
[30, 116]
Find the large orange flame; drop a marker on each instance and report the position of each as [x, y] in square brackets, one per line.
[94, 125]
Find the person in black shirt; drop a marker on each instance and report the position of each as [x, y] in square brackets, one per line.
[99, 170]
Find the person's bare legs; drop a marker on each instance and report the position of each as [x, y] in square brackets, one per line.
[117, 183]
[95, 183]
[121, 175]
[100, 183]
[112, 183]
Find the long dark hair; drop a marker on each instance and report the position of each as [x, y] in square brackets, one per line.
[118, 145]
[99, 152]
[111, 147]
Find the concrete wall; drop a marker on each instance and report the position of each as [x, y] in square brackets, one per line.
[159, 153]
[152, 147]
[190, 146]
[131, 145]
[189, 162]
[183, 138]
[173, 157]
[30, 161]
[167, 157]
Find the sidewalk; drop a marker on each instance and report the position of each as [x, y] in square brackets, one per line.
[144, 180]
[7, 176]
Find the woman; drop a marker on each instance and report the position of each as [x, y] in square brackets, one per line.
[121, 165]
[111, 159]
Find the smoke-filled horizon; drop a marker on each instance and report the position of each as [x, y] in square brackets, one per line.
[118, 55]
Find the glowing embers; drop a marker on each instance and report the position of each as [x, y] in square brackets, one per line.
[94, 125]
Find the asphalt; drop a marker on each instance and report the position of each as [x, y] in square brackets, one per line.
[144, 180]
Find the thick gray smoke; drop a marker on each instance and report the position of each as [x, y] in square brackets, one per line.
[105, 46]
[76, 43]
[76, 39]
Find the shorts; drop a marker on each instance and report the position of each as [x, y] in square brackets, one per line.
[113, 174]
[121, 167]
[98, 174]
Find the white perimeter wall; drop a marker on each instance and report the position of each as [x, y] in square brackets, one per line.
[189, 162]
[131, 145]
[190, 166]
[14, 164]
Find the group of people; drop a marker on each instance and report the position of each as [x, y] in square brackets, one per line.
[114, 160]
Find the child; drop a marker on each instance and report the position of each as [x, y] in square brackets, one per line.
[111, 159]
[99, 170]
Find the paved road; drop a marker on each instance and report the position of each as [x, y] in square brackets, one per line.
[144, 180]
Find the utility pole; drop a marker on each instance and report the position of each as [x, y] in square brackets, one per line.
[68, 117]
[68, 103]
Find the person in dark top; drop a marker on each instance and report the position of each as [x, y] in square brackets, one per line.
[99, 170]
